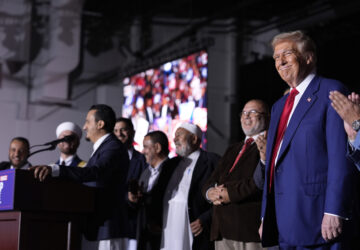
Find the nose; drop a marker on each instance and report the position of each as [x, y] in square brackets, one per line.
[283, 59]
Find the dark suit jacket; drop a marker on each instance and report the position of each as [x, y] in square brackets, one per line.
[150, 210]
[198, 207]
[240, 219]
[312, 175]
[129, 217]
[6, 165]
[75, 162]
[107, 171]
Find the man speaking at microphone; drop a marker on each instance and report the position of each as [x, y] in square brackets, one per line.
[68, 148]
[107, 171]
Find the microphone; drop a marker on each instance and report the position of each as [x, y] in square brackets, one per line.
[67, 138]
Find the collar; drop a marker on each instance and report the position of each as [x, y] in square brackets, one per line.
[99, 142]
[194, 155]
[254, 136]
[68, 160]
[157, 168]
[130, 152]
[304, 84]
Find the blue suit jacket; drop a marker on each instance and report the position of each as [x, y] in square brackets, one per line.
[312, 173]
[107, 171]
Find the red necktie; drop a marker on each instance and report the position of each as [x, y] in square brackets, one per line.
[244, 148]
[281, 131]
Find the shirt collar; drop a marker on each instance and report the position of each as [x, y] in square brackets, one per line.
[68, 160]
[304, 84]
[194, 155]
[254, 136]
[99, 142]
[130, 152]
[157, 168]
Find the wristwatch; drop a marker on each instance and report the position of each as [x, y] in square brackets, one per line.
[356, 125]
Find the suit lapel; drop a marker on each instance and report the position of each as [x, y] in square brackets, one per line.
[275, 116]
[307, 100]
[198, 169]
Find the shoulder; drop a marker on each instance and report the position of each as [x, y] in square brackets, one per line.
[328, 83]
[4, 165]
[82, 164]
[210, 155]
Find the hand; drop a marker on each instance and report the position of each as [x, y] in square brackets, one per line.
[261, 145]
[224, 195]
[261, 229]
[134, 198]
[213, 194]
[347, 108]
[196, 227]
[41, 172]
[331, 227]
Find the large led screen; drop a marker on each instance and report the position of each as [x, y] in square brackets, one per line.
[161, 98]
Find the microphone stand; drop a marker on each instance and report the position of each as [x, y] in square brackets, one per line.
[50, 148]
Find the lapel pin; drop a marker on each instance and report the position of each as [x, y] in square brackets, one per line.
[309, 99]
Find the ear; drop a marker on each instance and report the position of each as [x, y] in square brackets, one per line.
[194, 139]
[100, 124]
[309, 58]
[157, 148]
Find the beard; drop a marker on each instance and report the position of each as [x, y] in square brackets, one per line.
[259, 127]
[184, 150]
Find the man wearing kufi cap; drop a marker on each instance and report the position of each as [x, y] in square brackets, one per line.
[187, 214]
[68, 156]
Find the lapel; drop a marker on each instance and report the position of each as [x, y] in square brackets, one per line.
[199, 168]
[275, 116]
[94, 157]
[300, 111]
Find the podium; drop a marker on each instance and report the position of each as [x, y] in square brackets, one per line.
[41, 215]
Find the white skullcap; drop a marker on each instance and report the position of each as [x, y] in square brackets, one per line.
[68, 126]
[192, 128]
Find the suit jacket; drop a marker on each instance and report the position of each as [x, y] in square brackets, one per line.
[312, 175]
[239, 219]
[106, 170]
[129, 216]
[198, 206]
[76, 162]
[6, 165]
[149, 223]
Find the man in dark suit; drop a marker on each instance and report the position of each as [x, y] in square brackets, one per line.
[232, 189]
[18, 154]
[68, 149]
[124, 131]
[308, 182]
[187, 214]
[107, 171]
[147, 197]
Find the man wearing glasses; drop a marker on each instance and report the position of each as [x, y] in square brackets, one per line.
[233, 191]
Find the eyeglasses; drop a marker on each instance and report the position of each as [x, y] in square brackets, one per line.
[251, 113]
